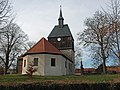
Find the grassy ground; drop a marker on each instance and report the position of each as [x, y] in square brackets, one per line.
[13, 79]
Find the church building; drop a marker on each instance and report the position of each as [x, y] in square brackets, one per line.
[54, 56]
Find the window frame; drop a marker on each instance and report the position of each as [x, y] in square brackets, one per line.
[35, 63]
[53, 62]
[25, 63]
[65, 63]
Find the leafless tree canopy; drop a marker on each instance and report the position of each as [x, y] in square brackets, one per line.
[5, 13]
[114, 15]
[102, 35]
[96, 37]
[28, 45]
[78, 55]
[11, 44]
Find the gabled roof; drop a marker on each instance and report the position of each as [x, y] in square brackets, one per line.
[43, 46]
[59, 32]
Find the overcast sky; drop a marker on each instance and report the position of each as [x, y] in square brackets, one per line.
[38, 17]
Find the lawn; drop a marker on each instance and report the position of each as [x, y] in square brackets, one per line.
[13, 79]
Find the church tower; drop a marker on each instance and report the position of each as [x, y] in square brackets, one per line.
[62, 39]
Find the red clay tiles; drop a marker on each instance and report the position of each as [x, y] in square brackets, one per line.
[44, 46]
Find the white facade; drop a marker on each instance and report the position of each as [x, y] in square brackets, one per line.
[71, 55]
[62, 65]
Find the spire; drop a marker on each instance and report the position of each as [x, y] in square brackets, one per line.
[61, 19]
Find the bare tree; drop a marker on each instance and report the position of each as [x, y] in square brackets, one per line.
[96, 36]
[113, 13]
[78, 55]
[5, 13]
[11, 43]
[28, 45]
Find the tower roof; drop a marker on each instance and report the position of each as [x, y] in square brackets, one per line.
[43, 46]
[60, 32]
[61, 29]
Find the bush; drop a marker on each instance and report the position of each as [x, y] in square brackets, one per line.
[1, 70]
[82, 86]
[31, 69]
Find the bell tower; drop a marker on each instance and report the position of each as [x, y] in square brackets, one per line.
[61, 37]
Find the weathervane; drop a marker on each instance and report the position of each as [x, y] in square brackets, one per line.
[60, 6]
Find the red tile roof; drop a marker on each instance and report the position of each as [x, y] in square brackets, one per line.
[113, 69]
[89, 69]
[85, 70]
[43, 46]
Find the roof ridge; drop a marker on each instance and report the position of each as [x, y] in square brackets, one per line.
[44, 45]
[52, 46]
[34, 45]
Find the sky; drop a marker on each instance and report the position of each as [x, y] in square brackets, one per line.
[38, 17]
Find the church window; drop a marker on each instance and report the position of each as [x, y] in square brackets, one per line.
[24, 63]
[35, 61]
[52, 61]
[65, 64]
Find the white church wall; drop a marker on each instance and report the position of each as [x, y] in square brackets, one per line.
[71, 55]
[40, 67]
[58, 69]
[24, 68]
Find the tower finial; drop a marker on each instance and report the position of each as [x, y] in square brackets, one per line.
[60, 7]
[61, 19]
[61, 12]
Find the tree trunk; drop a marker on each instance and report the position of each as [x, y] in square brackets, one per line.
[119, 57]
[104, 66]
[104, 63]
[103, 57]
[7, 63]
[6, 68]
[117, 42]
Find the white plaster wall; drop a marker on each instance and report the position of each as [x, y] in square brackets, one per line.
[71, 55]
[63, 68]
[59, 68]
[44, 65]
[69, 71]
[24, 68]
[40, 67]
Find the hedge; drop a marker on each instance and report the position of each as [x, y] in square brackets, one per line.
[82, 86]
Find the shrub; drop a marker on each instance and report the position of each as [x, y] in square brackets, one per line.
[31, 69]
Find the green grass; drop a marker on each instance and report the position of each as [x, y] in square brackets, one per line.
[60, 79]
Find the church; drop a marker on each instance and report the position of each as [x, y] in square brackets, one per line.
[52, 56]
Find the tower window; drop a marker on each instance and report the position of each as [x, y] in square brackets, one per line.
[35, 61]
[52, 61]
